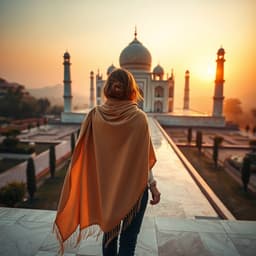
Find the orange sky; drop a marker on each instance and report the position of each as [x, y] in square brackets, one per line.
[182, 35]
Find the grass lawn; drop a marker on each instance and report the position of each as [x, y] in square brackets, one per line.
[41, 147]
[47, 195]
[241, 204]
[6, 164]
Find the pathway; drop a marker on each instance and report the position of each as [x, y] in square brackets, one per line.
[184, 223]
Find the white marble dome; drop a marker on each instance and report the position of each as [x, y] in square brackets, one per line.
[110, 69]
[158, 70]
[135, 56]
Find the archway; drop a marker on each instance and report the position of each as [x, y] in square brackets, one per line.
[159, 91]
[158, 106]
[141, 102]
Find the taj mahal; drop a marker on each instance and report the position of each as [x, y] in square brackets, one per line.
[157, 92]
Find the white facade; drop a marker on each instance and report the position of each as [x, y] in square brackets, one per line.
[157, 92]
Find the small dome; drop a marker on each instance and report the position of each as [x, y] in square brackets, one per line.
[221, 51]
[66, 55]
[110, 69]
[135, 56]
[158, 70]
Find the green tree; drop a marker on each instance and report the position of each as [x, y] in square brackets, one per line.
[253, 111]
[217, 140]
[232, 109]
[189, 135]
[12, 193]
[56, 110]
[31, 178]
[17, 103]
[73, 142]
[11, 133]
[77, 133]
[247, 128]
[52, 159]
[246, 172]
[43, 105]
[199, 140]
[11, 139]
[11, 102]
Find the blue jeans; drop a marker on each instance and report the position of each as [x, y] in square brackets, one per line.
[128, 237]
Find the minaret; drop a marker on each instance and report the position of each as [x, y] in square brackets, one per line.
[219, 81]
[186, 91]
[67, 83]
[92, 94]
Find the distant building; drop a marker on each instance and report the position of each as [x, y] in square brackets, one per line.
[157, 92]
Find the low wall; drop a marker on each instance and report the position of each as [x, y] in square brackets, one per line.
[18, 173]
[17, 156]
[72, 117]
[190, 121]
[163, 119]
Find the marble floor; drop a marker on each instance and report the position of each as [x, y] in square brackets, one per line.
[183, 223]
[27, 232]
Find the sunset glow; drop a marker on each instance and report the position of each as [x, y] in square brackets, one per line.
[180, 35]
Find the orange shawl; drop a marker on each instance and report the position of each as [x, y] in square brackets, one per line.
[108, 171]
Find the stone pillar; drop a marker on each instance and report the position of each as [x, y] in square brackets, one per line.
[92, 92]
[186, 91]
[219, 82]
[67, 84]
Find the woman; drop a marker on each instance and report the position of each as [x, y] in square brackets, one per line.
[107, 183]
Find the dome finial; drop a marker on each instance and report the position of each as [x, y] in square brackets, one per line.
[135, 32]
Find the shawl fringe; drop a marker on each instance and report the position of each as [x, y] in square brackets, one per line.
[74, 240]
[125, 223]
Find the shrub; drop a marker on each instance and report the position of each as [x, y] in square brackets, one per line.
[252, 144]
[11, 133]
[10, 142]
[77, 133]
[217, 140]
[246, 172]
[189, 135]
[31, 178]
[52, 159]
[73, 142]
[12, 193]
[19, 148]
[199, 140]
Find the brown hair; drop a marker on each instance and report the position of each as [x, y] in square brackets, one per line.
[121, 85]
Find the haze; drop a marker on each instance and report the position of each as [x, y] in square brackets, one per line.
[179, 34]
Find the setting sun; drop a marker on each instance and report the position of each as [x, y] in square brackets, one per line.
[205, 70]
[188, 39]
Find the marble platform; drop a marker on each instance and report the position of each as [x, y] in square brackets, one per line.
[183, 223]
[27, 232]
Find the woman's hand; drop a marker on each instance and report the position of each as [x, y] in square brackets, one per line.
[155, 194]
